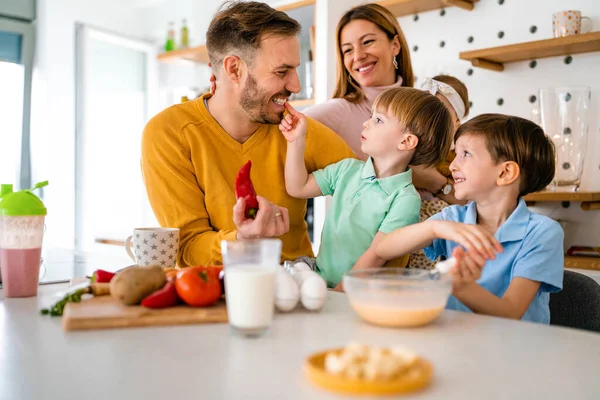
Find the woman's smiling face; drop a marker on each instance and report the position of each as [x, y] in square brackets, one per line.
[368, 53]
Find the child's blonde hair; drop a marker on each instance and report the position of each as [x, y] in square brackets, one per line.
[425, 116]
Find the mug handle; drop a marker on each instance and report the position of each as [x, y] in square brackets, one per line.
[128, 248]
[591, 24]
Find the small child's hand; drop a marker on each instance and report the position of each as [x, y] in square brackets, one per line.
[471, 237]
[293, 125]
[467, 269]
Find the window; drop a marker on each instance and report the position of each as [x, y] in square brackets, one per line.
[114, 87]
[16, 56]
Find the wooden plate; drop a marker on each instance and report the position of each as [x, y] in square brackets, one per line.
[417, 378]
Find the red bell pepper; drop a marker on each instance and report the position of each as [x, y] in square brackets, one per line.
[162, 298]
[245, 189]
[102, 276]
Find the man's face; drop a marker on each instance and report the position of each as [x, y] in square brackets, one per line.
[271, 80]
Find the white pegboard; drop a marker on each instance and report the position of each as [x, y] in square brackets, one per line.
[518, 82]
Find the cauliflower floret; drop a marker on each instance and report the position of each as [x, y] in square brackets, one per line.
[408, 356]
[334, 365]
[354, 371]
[358, 361]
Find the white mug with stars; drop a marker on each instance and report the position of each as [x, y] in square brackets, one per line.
[153, 246]
[568, 23]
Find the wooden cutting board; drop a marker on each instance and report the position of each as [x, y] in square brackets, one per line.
[104, 312]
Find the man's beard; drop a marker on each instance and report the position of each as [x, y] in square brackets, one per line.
[255, 102]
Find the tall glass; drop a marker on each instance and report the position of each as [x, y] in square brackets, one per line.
[564, 115]
[250, 267]
[20, 254]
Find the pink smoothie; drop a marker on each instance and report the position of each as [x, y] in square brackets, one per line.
[20, 271]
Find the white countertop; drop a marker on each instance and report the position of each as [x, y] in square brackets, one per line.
[474, 357]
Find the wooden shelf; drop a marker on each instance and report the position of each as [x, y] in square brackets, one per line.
[302, 103]
[114, 242]
[406, 7]
[296, 4]
[197, 54]
[548, 196]
[589, 200]
[592, 263]
[494, 58]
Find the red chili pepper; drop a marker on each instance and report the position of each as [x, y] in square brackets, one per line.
[162, 298]
[102, 276]
[244, 188]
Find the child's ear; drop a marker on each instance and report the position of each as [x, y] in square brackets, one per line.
[408, 142]
[509, 173]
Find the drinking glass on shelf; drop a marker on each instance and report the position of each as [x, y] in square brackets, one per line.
[564, 116]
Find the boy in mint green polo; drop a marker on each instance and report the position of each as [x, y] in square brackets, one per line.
[374, 197]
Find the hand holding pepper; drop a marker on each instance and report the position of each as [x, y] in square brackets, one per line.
[270, 221]
[245, 189]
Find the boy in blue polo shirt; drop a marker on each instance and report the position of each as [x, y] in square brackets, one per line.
[499, 159]
[372, 198]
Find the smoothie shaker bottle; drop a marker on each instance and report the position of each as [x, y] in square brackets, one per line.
[22, 216]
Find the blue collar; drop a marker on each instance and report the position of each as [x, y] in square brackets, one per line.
[513, 229]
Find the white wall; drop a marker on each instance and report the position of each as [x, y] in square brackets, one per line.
[53, 99]
[518, 81]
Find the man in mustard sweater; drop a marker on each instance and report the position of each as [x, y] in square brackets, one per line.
[191, 152]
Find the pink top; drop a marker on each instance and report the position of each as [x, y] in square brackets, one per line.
[345, 118]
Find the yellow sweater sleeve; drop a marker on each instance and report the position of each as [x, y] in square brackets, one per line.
[174, 194]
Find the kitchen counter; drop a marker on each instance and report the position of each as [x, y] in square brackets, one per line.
[475, 357]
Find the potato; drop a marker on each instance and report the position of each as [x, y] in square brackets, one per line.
[133, 284]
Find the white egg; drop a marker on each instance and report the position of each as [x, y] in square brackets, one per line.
[287, 292]
[301, 275]
[313, 292]
[302, 266]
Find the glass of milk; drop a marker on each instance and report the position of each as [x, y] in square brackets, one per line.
[250, 267]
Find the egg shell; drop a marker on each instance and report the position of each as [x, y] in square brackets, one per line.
[302, 266]
[313, 292]
[301, 275]
[287, 292]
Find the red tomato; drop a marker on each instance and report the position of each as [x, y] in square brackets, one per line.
[198, 286]
[214, 269]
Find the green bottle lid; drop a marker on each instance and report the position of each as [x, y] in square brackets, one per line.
[22, 202]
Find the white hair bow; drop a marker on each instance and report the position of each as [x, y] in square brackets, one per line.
[432, 86]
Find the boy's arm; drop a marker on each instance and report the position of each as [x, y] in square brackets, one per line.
[406, 240]
[298, 183]
[413, 237]
[513, 304]
[369, 258]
